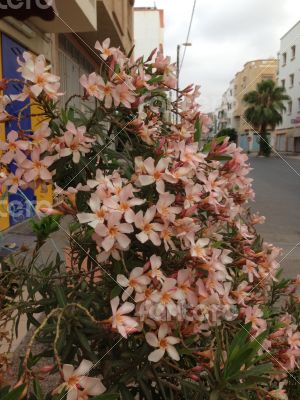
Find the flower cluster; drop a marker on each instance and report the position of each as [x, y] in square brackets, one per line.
[161, 214]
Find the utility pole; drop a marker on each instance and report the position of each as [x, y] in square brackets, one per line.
[178, 75]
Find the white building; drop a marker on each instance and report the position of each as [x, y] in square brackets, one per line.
[148, 30]
[225, 117]
[288, 133]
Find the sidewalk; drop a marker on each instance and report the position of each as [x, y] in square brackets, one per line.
[19, 237]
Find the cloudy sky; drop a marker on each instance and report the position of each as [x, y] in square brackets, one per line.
[225, 34]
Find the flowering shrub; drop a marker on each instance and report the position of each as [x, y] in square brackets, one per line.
[166, 291]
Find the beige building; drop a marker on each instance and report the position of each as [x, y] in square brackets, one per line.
[233, 111]
[245, 81]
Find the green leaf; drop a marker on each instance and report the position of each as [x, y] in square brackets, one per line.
[198, 130]
[220, 158]
[108, 396]
[60, 296]
[37, 390]
[157, 78]
[257, 371]
[115, 292]
[145, 389]
[15, 394]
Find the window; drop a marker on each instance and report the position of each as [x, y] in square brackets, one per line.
[292, 78]
[283, 58]
[267, 77]
[293, 49]
[290, 107]
[283, 83]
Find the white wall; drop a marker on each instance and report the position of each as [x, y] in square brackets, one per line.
[290, 39]
[148, 33]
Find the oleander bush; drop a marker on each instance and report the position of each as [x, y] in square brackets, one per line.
[165, 290]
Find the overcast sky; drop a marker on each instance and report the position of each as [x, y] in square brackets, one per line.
[225, 34]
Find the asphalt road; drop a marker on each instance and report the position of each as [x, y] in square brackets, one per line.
[277, 188]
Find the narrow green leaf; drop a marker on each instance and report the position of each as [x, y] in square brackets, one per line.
[37, 390]
[198, 130]
[60, 296]
[15, 394]
[108, 396]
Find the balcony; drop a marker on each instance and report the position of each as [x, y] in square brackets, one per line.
[70, 15]
[114, 21]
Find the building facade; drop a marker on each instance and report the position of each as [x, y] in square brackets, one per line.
[225, 111]
[67, 41]
[287, 135]
[233, 107]
[148, 30]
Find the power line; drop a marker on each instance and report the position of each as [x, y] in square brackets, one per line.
[188, 34]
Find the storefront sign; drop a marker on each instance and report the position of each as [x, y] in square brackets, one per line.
[23, 9]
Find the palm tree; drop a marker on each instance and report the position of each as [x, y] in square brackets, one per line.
[265, 107]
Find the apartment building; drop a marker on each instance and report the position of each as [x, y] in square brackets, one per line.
[287, 135]
[66, 35]
[225, 111]
[148, 30]
[233, 105]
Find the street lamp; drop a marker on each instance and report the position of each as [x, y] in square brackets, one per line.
[178, 73]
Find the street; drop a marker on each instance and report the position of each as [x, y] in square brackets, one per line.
[277, 189]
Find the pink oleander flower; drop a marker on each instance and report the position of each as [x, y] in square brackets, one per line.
[123, 95]
[292, 359]
[192, 194]
[119, 320]
[293, 339]
[189, 154]
[279, 394]
[77, 384]
[123, 202]
[255, 316]
[91, 84]
[97, 216]
[148, 228]
[166, 234]
[114, 231]
[39, 137]
[164, 208]
[251, 269]
[198, 249]
[103, 256]
[37, 168]
[100, 180]
[14, 181]
[163, 343]
[142, 78]
[34, 69]
[241, 292]
[186, 230]
[165, 298]
[156, 271]
[13, 148]
[161, 63]
[154, 173]
[4, 101]
[185, 291]
[107, 92]
[104, 48]
[177, 174]
[77, 143]
[137, 282]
